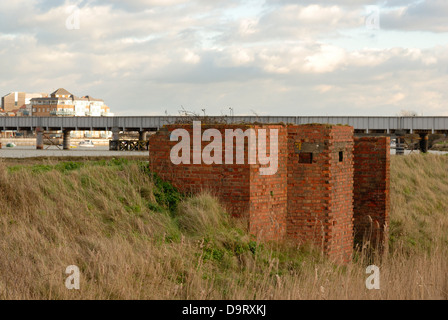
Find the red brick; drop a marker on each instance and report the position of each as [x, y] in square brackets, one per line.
[301, 202]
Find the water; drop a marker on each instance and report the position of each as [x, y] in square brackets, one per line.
[98, 151]
[53, 151]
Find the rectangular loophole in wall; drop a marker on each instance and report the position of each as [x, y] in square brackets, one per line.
[306, 157]
[341, 156]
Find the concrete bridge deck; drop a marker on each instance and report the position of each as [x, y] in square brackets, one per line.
[395, 126]
[152, 123]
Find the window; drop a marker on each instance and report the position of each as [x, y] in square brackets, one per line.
[306, 157]
[341, 156]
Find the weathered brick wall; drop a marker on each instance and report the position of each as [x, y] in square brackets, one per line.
[268, 195]
[240, 187]
[340, 246]
[326, 183]
[372, 189]
[320, 191]
[308, 187]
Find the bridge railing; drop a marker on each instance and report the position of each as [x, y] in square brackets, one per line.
[155, 122]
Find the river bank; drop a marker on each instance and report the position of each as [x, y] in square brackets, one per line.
[32, 141]
[54, 151]
[135, 237]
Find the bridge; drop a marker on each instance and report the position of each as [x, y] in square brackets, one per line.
[395, 126]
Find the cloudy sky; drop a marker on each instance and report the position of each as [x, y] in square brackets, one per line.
[265, 57]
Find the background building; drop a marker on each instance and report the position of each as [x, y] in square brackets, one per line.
[15, 100]
[57, 104]
[63, 103]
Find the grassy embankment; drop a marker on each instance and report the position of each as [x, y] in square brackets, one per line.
[441, 145]
[135, 237]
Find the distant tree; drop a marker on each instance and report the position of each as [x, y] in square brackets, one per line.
[407, 113]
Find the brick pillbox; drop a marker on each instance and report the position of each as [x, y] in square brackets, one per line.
[327, 185]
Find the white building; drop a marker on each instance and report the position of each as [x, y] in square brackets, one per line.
[62, 103]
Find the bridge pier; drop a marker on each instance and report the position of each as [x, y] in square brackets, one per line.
[66, 140]
[113, 144]
[143, 136]
[115, 134]
[39, 138]
[399, 150]
[424, 142]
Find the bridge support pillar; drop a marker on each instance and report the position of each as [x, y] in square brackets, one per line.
[113, 145]
[400, 146]
[39, 138]
[143, 135]
[424, 142]
[115, 134]
[66, 140]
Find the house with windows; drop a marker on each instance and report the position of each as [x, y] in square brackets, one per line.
[63, 103]
[16, 100]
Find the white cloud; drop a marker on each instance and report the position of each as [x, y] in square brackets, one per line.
[155, 55]
[428, 15]
[248, 27]
[191, 57]
[323, 88]
[326, 60]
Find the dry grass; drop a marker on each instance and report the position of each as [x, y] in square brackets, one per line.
[133, 239]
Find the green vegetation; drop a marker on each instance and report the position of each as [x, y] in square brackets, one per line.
[134, 236]
[419, 185]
